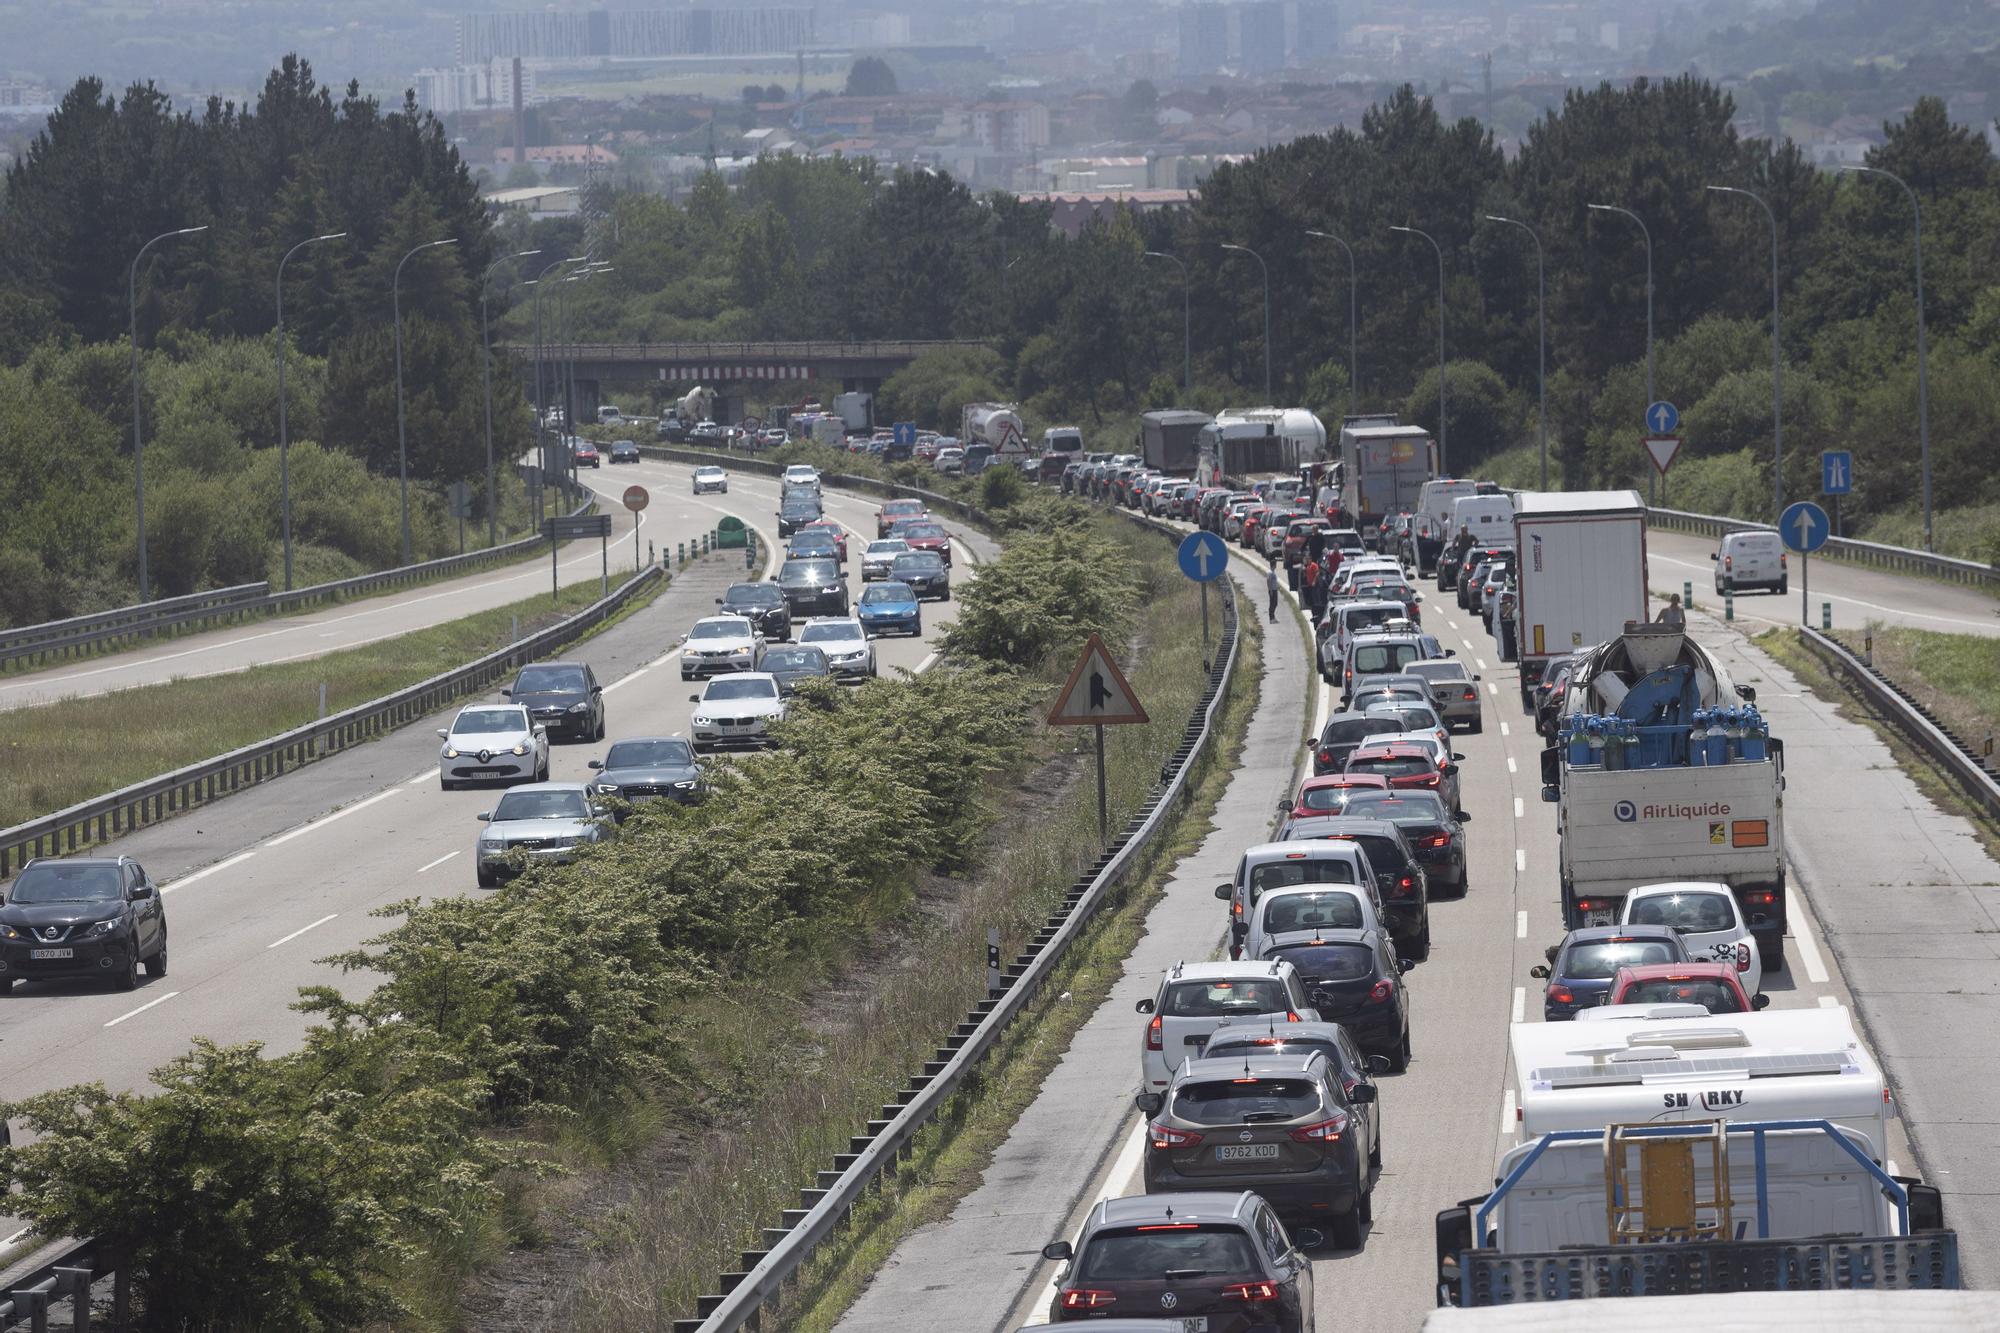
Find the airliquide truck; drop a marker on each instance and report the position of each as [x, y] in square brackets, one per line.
[1663, 770]
[1665, 1150]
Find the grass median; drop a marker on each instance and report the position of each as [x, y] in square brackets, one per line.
[61, 753]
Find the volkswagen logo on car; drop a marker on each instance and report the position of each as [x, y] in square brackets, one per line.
[1168, 1300]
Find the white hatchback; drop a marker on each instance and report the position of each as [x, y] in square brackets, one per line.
[1196, 998]
[849, 651]
[492, 743]
[711, 479]
[1708, 920]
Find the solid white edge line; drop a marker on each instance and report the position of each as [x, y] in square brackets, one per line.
[16, 1236]
[142, 1008]
[301, 930]
[435, 864]
[1507, 1117]
[626, 679]
[1520, 925]
[423, 779]
[206, 871]
[1520, 1003]
[1520, 858]
[324, 820]
[1122, 1168]
[1809, 954]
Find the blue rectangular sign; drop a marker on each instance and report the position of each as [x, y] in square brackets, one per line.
[1836, 472]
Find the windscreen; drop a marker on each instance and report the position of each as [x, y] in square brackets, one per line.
[837, 632]
[727, 687]
[753, 594]
[541, 805]
[808, 571]
[1305, 870]
[1593, 961]
[1148, 1254]
[1312, 911]
[1240, 1101]
[1718, 997]
[1380, 659]
[718, 629]
[794, 659]
[489, 722]
[549, 680]
[58, 883]
[649, 754]
[917, 562]
[1354, 730]
[886, 592]
[1404, 807]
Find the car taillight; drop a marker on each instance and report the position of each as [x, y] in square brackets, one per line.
[1585, 904]
[1764, 899]
[1435, 840]
[1326, 1131]
[1403, 886]
[1252, 1291]
[1472, 696]
[1784, 560]
[1326, 756]
[1154, 1041]
[1381, 991]
[1087, 1298]
[1562, 995]
[1166, 1136]
[1742, 958]
[1292, 1017]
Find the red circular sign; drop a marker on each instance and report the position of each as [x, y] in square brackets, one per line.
[636, 498]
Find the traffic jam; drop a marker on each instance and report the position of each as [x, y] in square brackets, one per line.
[1655, 1097]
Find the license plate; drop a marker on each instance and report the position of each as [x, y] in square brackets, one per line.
[1191, 1323]
[1246, 1152]
[51, 953]
[1597, 917]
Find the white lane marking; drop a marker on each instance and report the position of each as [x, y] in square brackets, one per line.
[1520, 859]
[1504, 730]
[302, 930]
[1984, 626]
[927, 664]
[1520, 1003]
[665, 657]
[435, 864]
[1507, 1117]
[1809, 952]
[1451, 622]
[343, 813]
[16, 1236]
[423, 779]
[1512, 767]
[625, 680]
[142, 1009]
[237, 859]
[1519, 809]
[1492, 689]
[1479, 662]
[1829, 1001]
[1123, 1168]
[1520, 925]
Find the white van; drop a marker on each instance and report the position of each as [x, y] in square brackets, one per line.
[1491, 518]
[1750, 560]
[1285, 865]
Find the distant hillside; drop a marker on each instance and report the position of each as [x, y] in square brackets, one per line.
[1846, 32]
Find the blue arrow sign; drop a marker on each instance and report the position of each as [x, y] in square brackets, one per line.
[906, 432]
[1804, 527]
[1836, 472]
[1662, 418]
[1203, 556]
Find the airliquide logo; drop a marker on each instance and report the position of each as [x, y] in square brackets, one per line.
[1626, 812]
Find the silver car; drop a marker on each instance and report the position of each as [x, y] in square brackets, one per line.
[737, 710]
[875, 561]
[711, 479]
[849, 650]
[1455, 690]
[720, 643]
[546, 821]
[492, 743]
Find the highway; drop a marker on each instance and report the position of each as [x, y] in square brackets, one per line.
[260, 885]
[1446, 1120]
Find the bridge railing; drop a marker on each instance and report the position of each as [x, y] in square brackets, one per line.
[872, 349]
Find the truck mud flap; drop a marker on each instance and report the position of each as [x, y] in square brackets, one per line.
[1888, 1263]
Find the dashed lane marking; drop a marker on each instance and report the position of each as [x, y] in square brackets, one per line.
[237, 859]
[301, 930]
[142, 1009]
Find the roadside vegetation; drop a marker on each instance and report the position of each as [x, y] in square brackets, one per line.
[1956, 676]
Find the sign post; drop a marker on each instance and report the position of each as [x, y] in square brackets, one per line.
[1662, 419]
[1803, 527]
[636, 499]
[559, 530]
[1836, 478]
[1097, 695]
[1203, 557]
[460, 495]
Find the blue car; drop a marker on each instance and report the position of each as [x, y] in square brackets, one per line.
[890, 608]
[1581, 972]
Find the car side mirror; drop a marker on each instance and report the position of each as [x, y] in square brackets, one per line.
[1479, 678]
[1144, 1006]
[1539, 971]
[718, 602]
[1308, 1238]
[444, 733]
[541, 730]
[1058, 1251]
[509, 693]
[1149, 1102]
[140, 892]
[1760, 1001]
[1457, 758]
[1926, 1207]
[1405, 964]
[1715, 555]
[1462, 816]
[694, 698]
[1451, 652]
[484, 816]
[1748, 693]
[595, 763]
[1361, 1094]
[1379, 1064]
[1224, 892]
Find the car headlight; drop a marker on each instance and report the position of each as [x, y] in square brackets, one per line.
[608, 788]
[685, 786]
[491, 844]
[103, 928]
[522, 748]
[583, 707]
[563, 842]
[9, 933]
[450, 752]
[701, 719]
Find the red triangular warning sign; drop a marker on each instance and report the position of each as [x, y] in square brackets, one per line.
[1663, 448]
[1097, 693]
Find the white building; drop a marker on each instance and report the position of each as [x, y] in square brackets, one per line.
[472, 87]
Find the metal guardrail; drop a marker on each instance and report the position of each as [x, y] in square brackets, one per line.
[871, 1154]
[62, 638]
[65, 1271]
[1955, 755]
[108, 816]
[1900, 559]
[727, 352]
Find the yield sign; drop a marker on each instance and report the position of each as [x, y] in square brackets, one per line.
[1663, 448]
[1097, 693]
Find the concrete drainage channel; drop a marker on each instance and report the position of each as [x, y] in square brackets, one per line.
[756, 1289]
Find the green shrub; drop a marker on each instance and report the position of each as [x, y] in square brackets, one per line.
[1045, 591]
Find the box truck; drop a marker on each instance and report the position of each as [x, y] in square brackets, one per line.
[1581, 567]
[1383, 468]
[1171, 440]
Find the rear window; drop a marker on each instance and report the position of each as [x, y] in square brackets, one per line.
[1385, 854]
[1141, 1254]
[1220, 999]
[1328, 962]
[1239, 1101]
[1715, 996]
[1600, 962]
[1378, 659]
[1313, 911]
[1404, 807]
[1306, 870]
[1684, 911]
[1353, 730]
[1417, 717]
[1390, 767]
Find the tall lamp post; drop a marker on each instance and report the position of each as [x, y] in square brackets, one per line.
[1777, 358]
[486, 381]
[1923, 368]
[138, 455]
[1541, 342]
[1626, 212]
[402, 434]
[1444, 468]
[1265, 269]
[284, 441]
[1353, 363]
[541, 283]
[1187, 321]
[567, 365]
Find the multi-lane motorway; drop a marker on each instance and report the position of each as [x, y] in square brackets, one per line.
[259, 886]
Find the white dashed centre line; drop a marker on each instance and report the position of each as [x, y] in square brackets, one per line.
[301, 930]
[1505, 730]
[435, 864]
[1520, 1003]
[237, 859]
[142, 1009]
[1519, 808]
[1520, 925]
[1512, 767]
[1520, 859]
[1492, 689]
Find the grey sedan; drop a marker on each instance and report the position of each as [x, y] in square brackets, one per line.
[648, 768]
[547, 821]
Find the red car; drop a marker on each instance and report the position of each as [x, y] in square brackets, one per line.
[893, 512]
[1321, 795]
[1713, 986]
[585, 453]
[839, 531]
[1406, 764]
[924, 535]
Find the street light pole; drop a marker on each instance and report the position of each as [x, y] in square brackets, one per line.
[1265, 269]
[1187, 321]
[1541, 342]
[1626, 212]
[1777, 358]
[486, 378]
[284, 442]
[1923, 367]
[138, 454]
[1353, 364]
[567, 367]
[402, 434]
[1444, 468]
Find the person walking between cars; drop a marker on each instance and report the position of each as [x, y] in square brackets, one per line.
[1672, 614]
[1309, 589]
[1271, 586]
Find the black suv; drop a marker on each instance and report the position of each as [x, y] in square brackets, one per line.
[89, 916]
[798, 509]
[564, 697]
[813, 587]
[762, 605]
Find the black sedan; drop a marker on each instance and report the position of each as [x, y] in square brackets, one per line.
[813, 588]
[794, 662]
[1434, 833]
[1580, 970]
[564, 697]
[799, 509]
[1355, 980]
[650, 768]
[925, 572]
[90, 916]
[763, 605]
[623, 451]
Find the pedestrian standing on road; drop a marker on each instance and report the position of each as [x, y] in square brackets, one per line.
[1271, 585]
[1316, 542]
[1671, 613]
[1309, 578]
